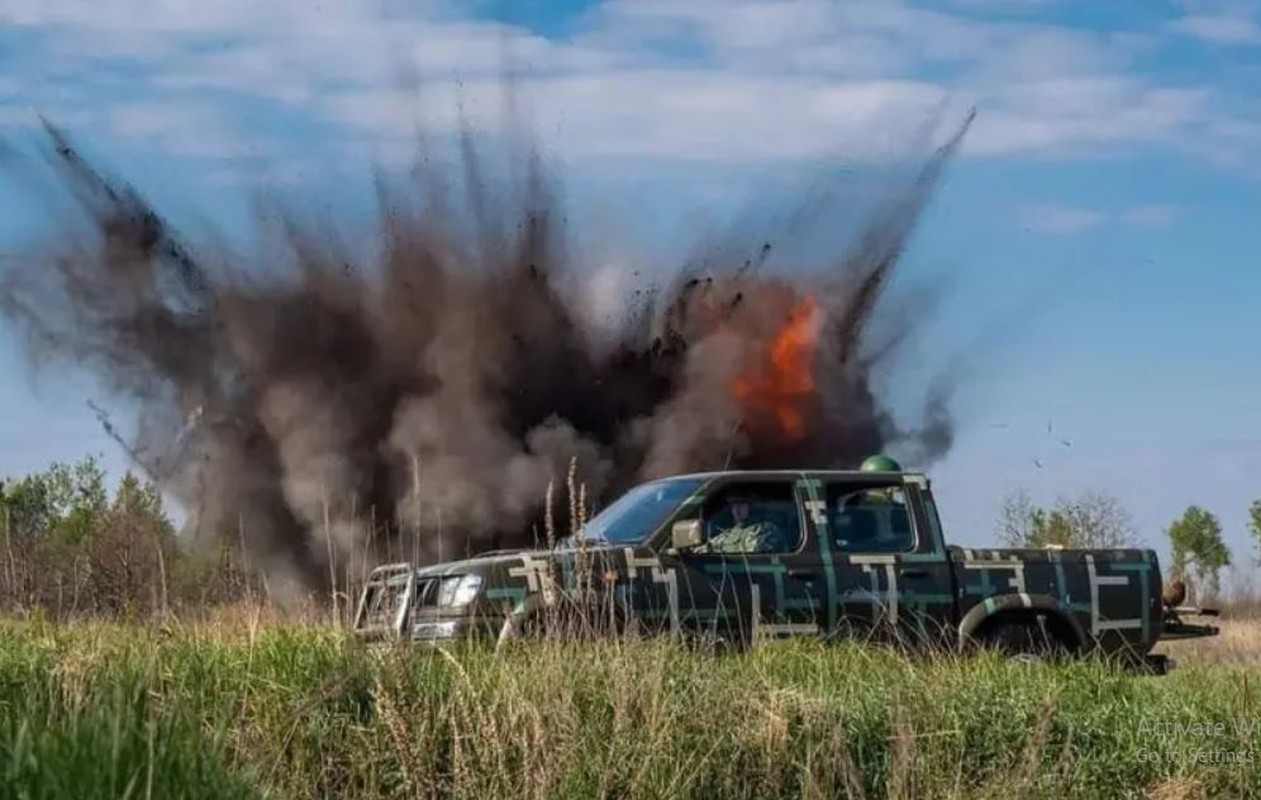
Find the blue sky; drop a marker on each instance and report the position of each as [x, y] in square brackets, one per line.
[1097, 233]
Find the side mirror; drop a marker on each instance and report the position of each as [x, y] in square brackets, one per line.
[685, 534]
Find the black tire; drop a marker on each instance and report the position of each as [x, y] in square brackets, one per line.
[1025, 641]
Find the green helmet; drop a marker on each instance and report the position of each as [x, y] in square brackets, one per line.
[880, 463]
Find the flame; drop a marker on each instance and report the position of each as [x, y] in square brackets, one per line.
[784, 377]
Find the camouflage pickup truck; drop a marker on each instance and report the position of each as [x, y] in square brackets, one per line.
[741, 557]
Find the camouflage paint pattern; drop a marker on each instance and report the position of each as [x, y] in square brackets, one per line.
[927, 590]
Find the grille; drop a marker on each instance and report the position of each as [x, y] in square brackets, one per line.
[385, 599]
[426, 593]
[383, 604]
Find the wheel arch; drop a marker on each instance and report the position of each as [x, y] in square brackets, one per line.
[1023, 607]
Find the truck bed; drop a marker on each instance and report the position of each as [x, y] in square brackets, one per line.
[1111, 597]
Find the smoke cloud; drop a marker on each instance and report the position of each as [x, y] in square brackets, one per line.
[315, 408]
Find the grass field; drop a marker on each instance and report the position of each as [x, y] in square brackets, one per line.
[230, 709]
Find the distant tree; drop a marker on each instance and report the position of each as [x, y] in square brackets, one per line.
[140, 500]
[68, 546]
[1254, 526]
[133, 543]
[60, 503]
[1093, 519]
[25, 507]
[1015, 519]
[1197, 546]
[78, 498]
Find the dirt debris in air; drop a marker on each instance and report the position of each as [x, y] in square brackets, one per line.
[455, 377]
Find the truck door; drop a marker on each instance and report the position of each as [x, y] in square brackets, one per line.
[756, 561]
[891, 571]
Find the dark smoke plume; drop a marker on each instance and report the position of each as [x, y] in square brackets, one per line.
[423, 403]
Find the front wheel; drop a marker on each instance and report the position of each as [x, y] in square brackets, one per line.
[564, 622]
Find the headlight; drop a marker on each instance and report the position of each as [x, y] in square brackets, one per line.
[459, 590]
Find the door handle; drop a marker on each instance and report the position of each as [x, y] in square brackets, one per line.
[914, 572]
[803, 574]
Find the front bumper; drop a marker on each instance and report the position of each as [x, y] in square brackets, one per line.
[433, 628]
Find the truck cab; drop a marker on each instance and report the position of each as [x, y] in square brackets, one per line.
[848, 554]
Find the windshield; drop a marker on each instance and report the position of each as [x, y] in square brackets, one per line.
[635, 515]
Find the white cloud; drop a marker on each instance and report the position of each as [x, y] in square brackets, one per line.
[713, 80]
[702, 116]
[1075, 113]
[1053, 219]
[1004, 5]
[196, 16]
[1229, 29]
[864, 37]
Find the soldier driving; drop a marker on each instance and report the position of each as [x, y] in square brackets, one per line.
[750, 531]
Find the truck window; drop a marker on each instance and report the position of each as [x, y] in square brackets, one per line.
[752, 518]
[867, 519]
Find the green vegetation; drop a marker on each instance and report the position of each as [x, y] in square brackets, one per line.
[1254, 526]
[222, 706]
[1092, 519]
[69, 548]
[108, 710]
[1196, 539]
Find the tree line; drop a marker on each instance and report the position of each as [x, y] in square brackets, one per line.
[70, 546]
[1095, 519]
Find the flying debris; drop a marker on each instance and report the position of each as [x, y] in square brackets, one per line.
[317, 408]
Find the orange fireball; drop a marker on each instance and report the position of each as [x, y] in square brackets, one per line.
[782, 378]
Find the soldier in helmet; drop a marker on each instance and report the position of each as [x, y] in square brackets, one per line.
[874, 519]
[879, 463]
[750, 529]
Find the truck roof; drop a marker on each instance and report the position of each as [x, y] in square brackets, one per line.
[916, 477]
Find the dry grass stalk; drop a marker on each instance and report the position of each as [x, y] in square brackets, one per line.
[416, 514]
[845, 761]
[1177, 788]
[899, 785]
[1035, 746]
[400, 734]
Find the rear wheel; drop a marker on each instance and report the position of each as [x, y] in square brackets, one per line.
[1026, 641]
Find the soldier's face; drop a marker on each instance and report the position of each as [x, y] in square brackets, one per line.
[740, 510]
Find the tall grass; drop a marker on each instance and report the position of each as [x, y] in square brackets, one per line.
[108, 710]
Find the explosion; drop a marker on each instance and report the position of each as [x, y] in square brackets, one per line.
[316, 409]
[784, 380]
